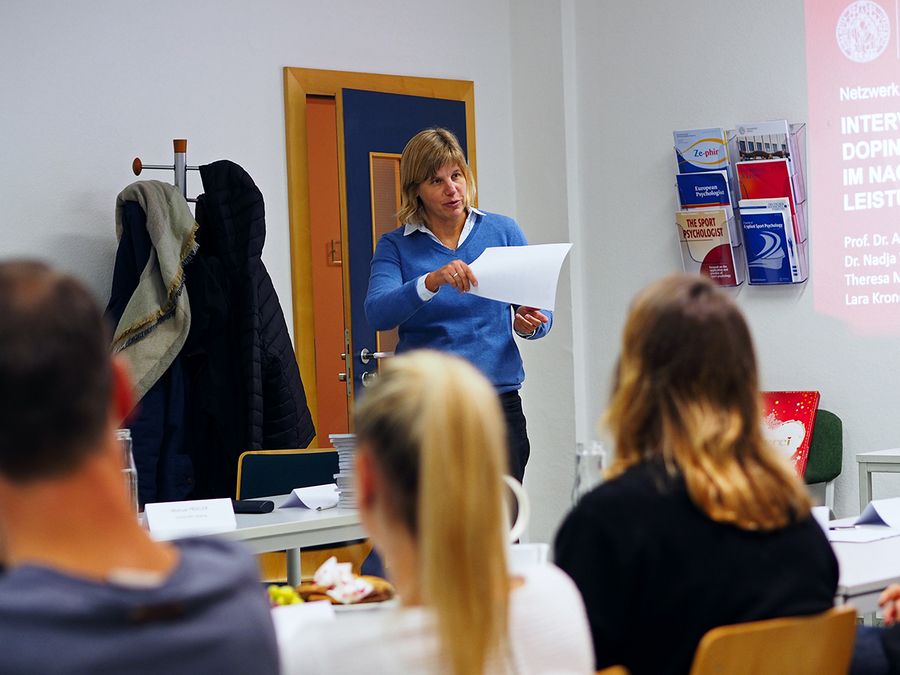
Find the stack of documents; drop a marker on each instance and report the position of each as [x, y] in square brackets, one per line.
[879, 520]
[345, 444]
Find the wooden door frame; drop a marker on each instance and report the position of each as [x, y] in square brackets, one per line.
[298, 84]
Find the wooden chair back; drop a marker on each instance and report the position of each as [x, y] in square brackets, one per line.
[821, 644]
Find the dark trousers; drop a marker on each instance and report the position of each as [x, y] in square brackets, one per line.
[869, 656]
[516, 433]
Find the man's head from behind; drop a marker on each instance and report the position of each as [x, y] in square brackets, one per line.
[56, 376]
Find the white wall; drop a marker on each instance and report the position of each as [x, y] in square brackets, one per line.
[575, 104]
[542, 71]
[86, 91]
[645, 69]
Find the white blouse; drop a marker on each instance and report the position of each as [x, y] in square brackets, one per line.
[548, 628]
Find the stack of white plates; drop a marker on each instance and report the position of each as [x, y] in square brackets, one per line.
[345, 444]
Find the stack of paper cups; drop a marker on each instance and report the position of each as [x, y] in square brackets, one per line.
[345, 444]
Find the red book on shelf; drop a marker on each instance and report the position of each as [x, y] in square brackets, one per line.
[788, 418]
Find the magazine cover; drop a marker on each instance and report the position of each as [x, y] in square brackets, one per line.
[776, 213]
[701, 150]
[764, 140]
[703, 190]
[707, 246]
[771, 250]
[788, 419]
[768, 179]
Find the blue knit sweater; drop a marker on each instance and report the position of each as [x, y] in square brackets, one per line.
[475, 328]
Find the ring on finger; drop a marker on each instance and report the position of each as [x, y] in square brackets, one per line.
[455, 274]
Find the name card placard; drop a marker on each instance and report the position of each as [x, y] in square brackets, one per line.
[173, 520]
[315, 497]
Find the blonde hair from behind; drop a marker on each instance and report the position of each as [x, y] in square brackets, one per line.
[434, 426]
[424, 155]
[686, 393]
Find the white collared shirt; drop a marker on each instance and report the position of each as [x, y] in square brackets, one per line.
[409, 228]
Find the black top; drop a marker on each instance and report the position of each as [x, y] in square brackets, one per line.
[656, 573]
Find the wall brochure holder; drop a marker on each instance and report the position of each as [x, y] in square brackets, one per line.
[769, 165]
[743, 206]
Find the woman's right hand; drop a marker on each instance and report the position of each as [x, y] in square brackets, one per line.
[890, 602]
[455, 273]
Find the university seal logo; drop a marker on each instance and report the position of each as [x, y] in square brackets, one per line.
[863, 31]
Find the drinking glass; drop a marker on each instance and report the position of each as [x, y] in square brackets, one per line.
[129, 470]
[590, 460]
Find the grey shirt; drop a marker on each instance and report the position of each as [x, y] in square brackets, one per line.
[209, 615]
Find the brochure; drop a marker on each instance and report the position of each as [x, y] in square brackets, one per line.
[703, 190]
[701, 150]
[706, 190]
[768, 179]
[777, 211]
[764, 140]
[707, 246]
[770, 248]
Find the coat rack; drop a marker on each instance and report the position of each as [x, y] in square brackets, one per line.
[179, 166]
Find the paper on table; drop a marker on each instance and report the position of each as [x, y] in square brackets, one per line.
[881, 512]
[172, 520]
[316, 497]
[520, 275]
[862, 534]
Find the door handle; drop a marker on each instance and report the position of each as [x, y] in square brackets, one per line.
[334, 245]
[365, 355]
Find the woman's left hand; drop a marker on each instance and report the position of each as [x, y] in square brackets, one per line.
[528, 319]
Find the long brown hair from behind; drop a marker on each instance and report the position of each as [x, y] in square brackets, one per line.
[434, 427]
[686, 391]
[424, 155]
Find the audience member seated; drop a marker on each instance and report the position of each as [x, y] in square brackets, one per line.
[877, 650]
[86, 590]
[699, 524]
[430, 458]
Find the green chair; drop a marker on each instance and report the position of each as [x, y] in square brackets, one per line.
[826, 450]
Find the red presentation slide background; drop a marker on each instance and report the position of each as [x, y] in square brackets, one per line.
[853, 70]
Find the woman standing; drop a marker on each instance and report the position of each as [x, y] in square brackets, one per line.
[420, 277]
[429, 485]
[700, 524]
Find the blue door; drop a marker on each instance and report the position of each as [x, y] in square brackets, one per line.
[376, 126]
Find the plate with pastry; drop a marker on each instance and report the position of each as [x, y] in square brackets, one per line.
[336, 583]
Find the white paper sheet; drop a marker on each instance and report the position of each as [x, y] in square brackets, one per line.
[315, 497]
[173, 520]
[861, 534]
[520, 275]
[881, 512]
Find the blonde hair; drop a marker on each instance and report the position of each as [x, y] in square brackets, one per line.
[686, 391]
[435, 428]
[424, 155]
